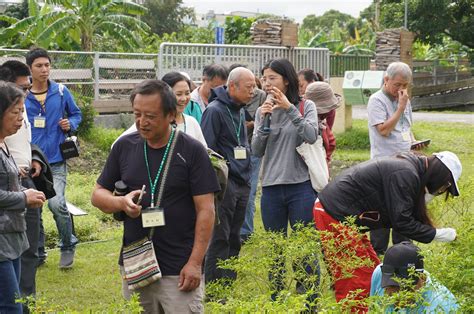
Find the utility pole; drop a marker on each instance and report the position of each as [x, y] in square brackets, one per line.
[406, 14]
[377, 14]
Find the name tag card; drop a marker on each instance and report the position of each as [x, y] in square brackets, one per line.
[240, 152]
[40, 122]
[153, 217]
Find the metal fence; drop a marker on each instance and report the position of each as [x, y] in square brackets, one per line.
[341, 63]
[192, 58]
[106, 78]
[97, 75]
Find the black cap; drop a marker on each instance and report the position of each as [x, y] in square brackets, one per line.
[398, 260]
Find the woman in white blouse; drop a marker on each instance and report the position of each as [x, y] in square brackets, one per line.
[182, 89]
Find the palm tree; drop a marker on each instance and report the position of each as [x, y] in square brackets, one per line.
[85, 22]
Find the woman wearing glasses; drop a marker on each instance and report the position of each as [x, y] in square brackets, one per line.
[390, 192]
[13, 201]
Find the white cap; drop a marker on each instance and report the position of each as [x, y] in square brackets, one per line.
[452, 162]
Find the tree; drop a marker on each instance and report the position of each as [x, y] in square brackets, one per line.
[327, 20]
[432, 20]
[85, 22]
[237, 30]
[167, 16]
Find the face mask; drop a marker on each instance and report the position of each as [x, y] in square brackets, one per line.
[428, 197]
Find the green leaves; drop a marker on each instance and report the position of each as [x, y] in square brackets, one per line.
[57, 24]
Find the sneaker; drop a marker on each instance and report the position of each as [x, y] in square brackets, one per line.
[67, 259]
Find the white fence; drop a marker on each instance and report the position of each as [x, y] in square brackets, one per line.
[107, 78]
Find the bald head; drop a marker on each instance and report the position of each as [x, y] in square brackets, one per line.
[241, 85]
[238, 73]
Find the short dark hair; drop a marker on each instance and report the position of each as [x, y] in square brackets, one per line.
[310, 76]
[152, 87]
[215, 70]
[172, 78]
[36, 53]
[286, 69]
[12, 69]
[9, 96]
[236, 65]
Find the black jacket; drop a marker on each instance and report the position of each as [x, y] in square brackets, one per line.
[220, 134]
[43, 182]
[380, 193]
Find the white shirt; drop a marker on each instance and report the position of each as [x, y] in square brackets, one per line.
[19, 143]
[195, 96]
[190, 127]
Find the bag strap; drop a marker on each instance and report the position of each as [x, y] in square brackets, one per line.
[161, 188]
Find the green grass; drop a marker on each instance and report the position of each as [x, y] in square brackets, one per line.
[94, 282]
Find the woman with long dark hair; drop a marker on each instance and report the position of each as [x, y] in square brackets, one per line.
[287, 194]
[389, 192]
[13, 201]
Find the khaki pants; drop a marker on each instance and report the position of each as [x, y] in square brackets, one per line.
[163, 296]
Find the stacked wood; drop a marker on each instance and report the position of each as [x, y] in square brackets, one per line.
[393, 45]
[274, 33]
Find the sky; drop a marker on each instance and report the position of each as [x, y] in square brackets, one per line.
[296, 9]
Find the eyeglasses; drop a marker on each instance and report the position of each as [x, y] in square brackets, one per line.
[25, 88]
[443, 189]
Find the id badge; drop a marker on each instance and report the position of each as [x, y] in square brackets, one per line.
[40, 122]
[406, 136]
[153, 217]
[240, 152]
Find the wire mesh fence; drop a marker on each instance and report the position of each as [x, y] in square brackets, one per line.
[105, 79]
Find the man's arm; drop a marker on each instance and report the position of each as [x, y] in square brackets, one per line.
[388, 125]
[104, 200]
[190, 276]
[211, 128]
[73, 111]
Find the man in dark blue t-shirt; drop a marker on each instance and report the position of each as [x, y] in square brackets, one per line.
[187, 203]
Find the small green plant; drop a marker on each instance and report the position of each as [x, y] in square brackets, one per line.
[268, 253]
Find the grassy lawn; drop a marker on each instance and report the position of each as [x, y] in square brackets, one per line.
[93, 284]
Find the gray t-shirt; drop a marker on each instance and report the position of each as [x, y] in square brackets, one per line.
[281, 163]
[380, 108]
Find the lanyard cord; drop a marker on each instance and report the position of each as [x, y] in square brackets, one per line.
[165, 156]
[237, 130]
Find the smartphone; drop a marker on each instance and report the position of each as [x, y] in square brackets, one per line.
[140, 196]
[424, 142]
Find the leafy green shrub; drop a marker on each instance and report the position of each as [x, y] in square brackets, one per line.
[103, 138]
[88, 114]
[252, 291]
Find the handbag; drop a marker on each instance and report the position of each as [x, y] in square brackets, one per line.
[314, 156]
[70, 147]
[140, 265]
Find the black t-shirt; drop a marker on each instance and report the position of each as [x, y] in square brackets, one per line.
[190, 173]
